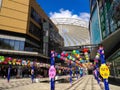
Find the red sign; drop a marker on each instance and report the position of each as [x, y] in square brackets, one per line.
[52, 72]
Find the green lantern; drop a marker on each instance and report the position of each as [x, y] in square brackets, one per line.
[10, 62]
[73, 59]
[74, 52]
[70, 57]
[2, 58]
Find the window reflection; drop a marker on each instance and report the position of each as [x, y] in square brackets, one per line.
[18, 45]
[12, 44]
[35, 30]
[35, 16]
[21, 46]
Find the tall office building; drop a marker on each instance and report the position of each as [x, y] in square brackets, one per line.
[105, 23]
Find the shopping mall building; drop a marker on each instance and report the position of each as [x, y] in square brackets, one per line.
[27, 36]
[104, 28]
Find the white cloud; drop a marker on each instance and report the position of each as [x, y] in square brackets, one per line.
[68, 14]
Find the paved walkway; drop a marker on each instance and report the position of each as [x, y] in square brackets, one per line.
[85, 83]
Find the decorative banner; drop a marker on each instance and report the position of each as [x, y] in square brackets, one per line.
[52, 72]
[104, 71]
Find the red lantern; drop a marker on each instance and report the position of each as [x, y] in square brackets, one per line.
[85, 50]
[66, 54]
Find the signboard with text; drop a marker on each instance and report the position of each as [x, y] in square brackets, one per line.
[52, 72]
[104, 71]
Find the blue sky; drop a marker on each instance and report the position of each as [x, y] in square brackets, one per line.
[67, 8]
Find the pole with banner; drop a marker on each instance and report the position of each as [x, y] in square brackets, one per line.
[9, 70]
[70, 73]
[96, 71]
[104, 70]
[52, 71]
[32, 73]
[76, 71]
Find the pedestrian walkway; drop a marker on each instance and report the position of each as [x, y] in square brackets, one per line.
[13, 83]
[86, 82]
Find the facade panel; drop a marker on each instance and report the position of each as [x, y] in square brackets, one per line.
[13, 16]
[6, 22]
[15, 5]
[25, 2]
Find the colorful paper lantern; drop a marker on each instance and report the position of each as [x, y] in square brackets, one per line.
[97, 57]
[28, 62]
[62, 54]
[70, 57]
[2, 58]
[73, 59]
[85, 50]
[77, 51]
[58, 55]
[74, 52]
[14, 61]
[78, 56]
[66, 54]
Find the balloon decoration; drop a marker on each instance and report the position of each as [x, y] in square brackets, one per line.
[2, 58]
[14, 61]
[74, 57]
[28, 63]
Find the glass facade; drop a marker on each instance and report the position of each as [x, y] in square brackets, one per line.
[34, 30]
[18, 45]
[11, 44]
[31, 47]
[109, 16]
[95, 29]
[93, 2]
[114, 16]
[35, 16]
